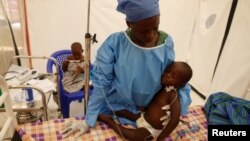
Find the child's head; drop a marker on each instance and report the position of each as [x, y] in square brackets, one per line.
[77, 50]
[177, 74]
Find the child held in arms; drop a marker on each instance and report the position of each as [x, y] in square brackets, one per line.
[150, 123]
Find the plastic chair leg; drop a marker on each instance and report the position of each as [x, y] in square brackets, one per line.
[65, 109]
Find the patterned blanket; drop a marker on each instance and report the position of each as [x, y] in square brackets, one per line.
[223, 109]
[193, 128]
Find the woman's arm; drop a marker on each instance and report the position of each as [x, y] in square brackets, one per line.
[102, 82]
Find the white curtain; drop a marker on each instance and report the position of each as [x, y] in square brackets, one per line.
[206, 41]
[54, 25]
[233, 71]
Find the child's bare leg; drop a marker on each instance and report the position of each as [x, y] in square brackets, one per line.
[139, 134]
[128, 115]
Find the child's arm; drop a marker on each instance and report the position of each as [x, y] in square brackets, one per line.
[175, 110]
[65, 64]
[80, 67]
[79, 70]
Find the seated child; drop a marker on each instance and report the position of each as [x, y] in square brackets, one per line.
[73, 68]
[149, 124]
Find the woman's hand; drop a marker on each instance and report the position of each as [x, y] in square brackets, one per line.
[78, 127]
[166, 117]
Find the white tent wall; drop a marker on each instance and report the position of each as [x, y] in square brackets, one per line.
[54, 25]
[104, 20]
[195, 40]
[197, 27]
[232, 75]
[178, 20]
[206, 41]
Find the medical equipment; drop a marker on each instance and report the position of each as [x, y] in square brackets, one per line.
[24, 76]
[26, 110]
[10, 122]
[30, 110]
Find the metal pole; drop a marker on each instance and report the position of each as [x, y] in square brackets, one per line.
[88, 16]
[87, 61]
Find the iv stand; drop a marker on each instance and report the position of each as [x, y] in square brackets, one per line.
[87, 61]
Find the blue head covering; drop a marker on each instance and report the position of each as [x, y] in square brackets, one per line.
[137, 10]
